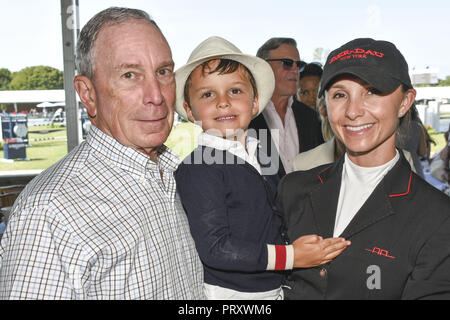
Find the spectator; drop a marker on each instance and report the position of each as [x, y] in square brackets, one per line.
[440, 164]
[309, 84]
[291, 126]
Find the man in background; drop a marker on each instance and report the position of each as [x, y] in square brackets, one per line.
[298, 126]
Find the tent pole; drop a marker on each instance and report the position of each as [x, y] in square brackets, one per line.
[69, 19]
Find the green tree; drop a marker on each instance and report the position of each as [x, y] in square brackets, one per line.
[444, 83]
[37, 78]
[5, 78]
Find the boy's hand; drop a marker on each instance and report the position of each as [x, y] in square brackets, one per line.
[312, 250]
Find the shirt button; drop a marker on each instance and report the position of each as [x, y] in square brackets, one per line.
[323, 272]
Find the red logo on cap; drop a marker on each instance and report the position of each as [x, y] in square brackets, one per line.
[356, 54]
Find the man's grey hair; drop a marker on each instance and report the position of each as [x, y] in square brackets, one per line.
[272, 44]
[88, 35]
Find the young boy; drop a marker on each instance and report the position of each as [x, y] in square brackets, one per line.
[228, 197]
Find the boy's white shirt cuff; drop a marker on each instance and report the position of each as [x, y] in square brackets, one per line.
[274, 261]
[289, 257]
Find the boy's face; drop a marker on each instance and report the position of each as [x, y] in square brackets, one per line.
[224, 103]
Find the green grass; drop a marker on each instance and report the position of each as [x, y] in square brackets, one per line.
[440, 143]
[42, 154]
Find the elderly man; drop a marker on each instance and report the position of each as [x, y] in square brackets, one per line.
[105, 222]
[297, 125]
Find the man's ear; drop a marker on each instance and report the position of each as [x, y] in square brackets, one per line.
[86, 92]
[188, 110]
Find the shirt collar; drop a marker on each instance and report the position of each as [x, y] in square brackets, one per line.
[234, 147]
[270, 107]
[128, 158]
[368, 175]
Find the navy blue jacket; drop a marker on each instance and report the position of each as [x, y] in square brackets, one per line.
[233, 216]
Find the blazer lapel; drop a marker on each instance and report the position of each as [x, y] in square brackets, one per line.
[378, 206]
[325, 198]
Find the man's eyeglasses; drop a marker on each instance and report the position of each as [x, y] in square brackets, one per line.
[289, 63]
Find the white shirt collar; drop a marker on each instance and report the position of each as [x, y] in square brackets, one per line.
[270, 107]
[357, 184]
[368, 175]
[234, 147]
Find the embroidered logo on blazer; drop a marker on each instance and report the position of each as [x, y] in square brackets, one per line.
[380, 252]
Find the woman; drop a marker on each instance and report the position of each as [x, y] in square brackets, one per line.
[332, 149]
[399, 225]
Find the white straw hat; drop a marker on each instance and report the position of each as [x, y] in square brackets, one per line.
[216, 47]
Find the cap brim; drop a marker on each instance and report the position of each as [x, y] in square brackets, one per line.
[379, 80]
[260, 69]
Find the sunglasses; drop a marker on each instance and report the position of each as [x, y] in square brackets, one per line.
[289, 63]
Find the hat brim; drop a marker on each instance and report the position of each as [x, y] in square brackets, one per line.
[379, 80]
[260, 69]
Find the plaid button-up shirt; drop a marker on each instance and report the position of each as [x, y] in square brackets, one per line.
[101, 224]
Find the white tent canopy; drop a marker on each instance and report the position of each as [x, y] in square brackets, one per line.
[47, 104]
[431, 93]
[32, 96]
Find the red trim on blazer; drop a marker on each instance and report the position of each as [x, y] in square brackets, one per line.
[407, 191]
[320, 178]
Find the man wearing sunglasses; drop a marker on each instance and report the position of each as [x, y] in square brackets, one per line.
[298, 126]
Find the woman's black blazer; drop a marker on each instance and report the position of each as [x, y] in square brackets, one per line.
[400, 237]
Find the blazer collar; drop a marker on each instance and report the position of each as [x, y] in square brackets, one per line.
[395, 185]
[325, 196]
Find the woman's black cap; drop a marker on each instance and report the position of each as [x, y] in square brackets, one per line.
[377, 62]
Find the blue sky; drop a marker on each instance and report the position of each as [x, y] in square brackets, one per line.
[30, 30]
